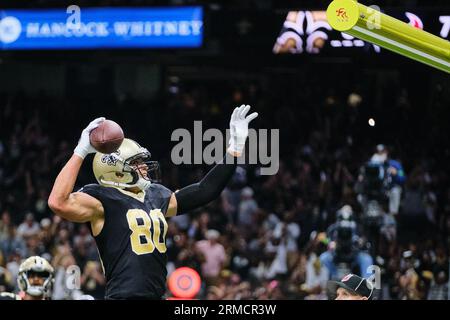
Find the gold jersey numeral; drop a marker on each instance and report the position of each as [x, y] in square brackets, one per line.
[157, 217]
[141, 229]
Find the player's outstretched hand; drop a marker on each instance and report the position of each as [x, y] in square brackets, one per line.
[239, 128]
[84, 145]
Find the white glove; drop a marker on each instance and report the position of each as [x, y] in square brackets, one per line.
[84, 144]
[239, 128]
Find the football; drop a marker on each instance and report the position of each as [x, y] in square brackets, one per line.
[107, 137]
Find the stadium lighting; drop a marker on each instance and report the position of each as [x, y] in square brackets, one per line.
[371, 25]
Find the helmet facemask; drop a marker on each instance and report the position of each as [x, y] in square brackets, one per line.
[137, 171]
[37, 290]
[143, 170]
[36, 267]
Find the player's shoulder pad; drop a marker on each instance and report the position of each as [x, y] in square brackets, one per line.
[90, 187]
[9, 296]
[100, 192]
[97, 191]
[160, 189]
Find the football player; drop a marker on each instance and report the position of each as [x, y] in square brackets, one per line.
[127, 212]
[35, 280]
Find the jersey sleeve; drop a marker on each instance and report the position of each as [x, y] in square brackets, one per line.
[92, 190]
[162, 196]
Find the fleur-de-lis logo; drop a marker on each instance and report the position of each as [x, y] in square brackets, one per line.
[110, 159]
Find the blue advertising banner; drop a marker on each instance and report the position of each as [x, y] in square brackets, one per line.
[96, 28]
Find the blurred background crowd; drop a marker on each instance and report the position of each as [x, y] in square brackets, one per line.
[330, 209]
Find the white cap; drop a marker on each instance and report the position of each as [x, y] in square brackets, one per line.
[381, 147]
[45, 222]
[212, 234]
[247, 192]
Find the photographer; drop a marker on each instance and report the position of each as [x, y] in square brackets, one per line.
[392, 175]
[344, 254]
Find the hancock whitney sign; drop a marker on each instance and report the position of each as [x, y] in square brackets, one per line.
[94, 28]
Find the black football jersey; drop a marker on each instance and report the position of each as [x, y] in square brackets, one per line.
[132, 243]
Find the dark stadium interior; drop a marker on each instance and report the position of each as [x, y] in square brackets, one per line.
[321, 105]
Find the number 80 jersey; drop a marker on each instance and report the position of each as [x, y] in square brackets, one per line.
[132, 243]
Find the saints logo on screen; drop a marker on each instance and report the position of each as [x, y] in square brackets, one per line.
[303, 31]
[310, 32]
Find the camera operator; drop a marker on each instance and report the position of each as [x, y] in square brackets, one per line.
[379, 190]
[393, 176]
[344, 254]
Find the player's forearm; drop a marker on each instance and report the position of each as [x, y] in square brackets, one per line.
[199, 194]
[209, 188]
[64, 183]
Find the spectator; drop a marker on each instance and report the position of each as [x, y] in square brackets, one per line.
[66, 283]
[191, 257]
[247, 208]
[34, 246]
[46, 235]
[414, 222]
[277, 247]
[84, 245]
[5, 223]
[29, 227]
[316, 279]
[13, 267]
[199, 226]
[439, 287]
[92, 280]
[214, 255]
[6, 280]
[13, 243]
[290, 230]
[409, 279]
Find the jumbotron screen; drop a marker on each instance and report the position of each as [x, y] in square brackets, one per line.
[308, 32]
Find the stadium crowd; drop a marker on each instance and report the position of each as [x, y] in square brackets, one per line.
[264, 237]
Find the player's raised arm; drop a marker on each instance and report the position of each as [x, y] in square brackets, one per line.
[77, 206]
[210, 187]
